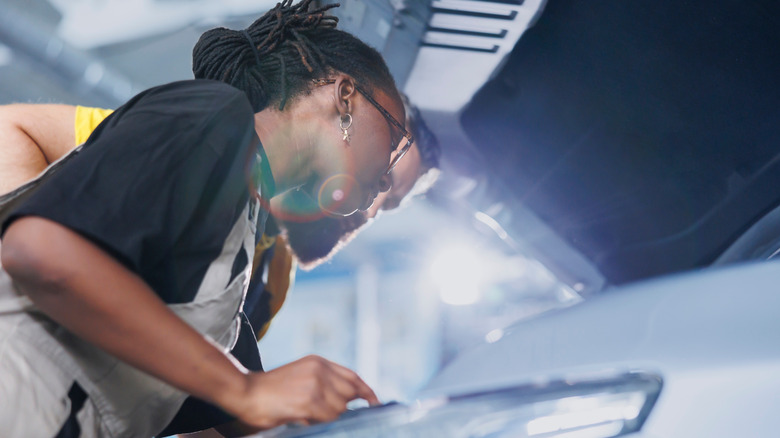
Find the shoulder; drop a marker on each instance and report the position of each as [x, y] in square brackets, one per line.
[188, 108]
[196, 94]
[195, 98]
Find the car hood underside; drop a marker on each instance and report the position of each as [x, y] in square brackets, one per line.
[645, 134]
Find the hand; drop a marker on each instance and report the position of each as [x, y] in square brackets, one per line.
[309, 390]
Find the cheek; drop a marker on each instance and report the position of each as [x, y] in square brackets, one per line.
[341, 195]
[373, 151]
[405, 176]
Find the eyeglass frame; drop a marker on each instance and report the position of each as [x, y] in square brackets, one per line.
[388, 118]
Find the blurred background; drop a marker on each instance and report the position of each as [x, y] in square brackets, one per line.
[584, 145]
[418, 285]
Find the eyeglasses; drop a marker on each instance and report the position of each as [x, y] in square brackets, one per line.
[403, 145]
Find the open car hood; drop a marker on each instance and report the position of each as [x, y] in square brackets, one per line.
[645, 135]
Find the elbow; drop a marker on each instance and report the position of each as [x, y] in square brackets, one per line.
[16, 255]
[12, 116]
[24, 255]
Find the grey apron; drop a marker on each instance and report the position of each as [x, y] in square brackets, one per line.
[122, 401]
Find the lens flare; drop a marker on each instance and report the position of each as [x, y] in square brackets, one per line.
[340, 194]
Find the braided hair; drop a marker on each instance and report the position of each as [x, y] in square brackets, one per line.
[277, 56]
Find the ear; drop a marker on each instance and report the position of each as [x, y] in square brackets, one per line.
[345, 89]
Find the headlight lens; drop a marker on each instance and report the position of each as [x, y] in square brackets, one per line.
[587, 408]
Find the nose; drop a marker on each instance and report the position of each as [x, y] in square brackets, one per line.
[385, 183]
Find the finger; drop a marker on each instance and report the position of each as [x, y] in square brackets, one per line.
[350, 387]
[327, 405]
[337, 389]
[336, 400]
[358, 388]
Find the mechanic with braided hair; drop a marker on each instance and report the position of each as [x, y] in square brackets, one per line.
[125, 265]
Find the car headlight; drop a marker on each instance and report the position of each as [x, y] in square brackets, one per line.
[592, 408]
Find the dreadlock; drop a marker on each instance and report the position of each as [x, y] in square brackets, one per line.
[277, 56]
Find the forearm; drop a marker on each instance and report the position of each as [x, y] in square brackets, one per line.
[92, 295]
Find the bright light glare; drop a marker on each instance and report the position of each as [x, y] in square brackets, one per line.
[492, 224]
[555, 423]
[494, 335]
[587, 415]
[599, 431]
[423, 407]
[458, 273]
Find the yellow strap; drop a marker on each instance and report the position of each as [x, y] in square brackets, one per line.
[281, 277]
[87, 119]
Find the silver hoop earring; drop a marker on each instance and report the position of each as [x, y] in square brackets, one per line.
[344, 132]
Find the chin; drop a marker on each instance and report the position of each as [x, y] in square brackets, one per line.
[367, 205]
[341, 209]
[341, 212]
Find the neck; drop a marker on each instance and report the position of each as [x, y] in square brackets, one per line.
[288, 148]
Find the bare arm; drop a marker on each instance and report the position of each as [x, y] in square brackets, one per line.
[67, 277]
[31, 137]
[87, 291]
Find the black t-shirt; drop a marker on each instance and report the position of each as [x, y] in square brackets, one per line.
[160, 183]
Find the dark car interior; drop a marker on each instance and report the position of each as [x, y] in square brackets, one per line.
[645, 134]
